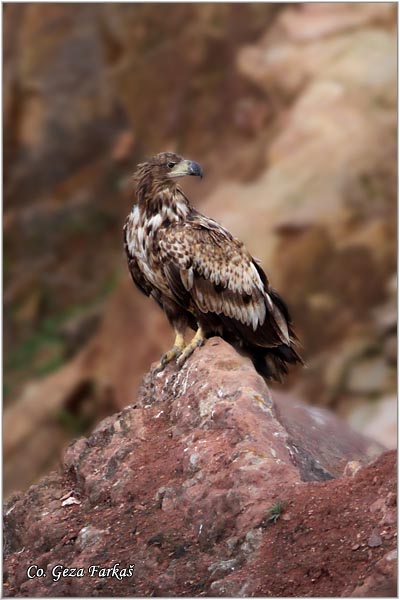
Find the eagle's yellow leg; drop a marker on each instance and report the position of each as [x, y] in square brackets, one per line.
[197, 341]
[176, 350]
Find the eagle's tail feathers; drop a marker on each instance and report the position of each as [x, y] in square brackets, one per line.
[272, 363]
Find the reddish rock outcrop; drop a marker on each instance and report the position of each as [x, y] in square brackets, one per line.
[210, 487]
[292, 111]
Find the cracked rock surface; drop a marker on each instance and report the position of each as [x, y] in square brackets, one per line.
[211, 485]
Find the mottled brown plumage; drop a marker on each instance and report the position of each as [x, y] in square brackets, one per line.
[200, 275]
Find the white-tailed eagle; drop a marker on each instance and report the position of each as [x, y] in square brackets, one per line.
[200, 275]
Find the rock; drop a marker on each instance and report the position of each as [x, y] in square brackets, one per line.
[192, 526]
[323, 452]
[128, 35]
[274, 61]
[79, 329]
[336, 372]
[123, 146]
[80, 95]
[101, 378]
[305, 119]
[319, 83]
[391, 556]
[308, 22]
[352, 468]
[369, 376]
[391, 499]
[381, 584]
[390, 350]
[231, 589]
[377, 420]
[377, 505]
[374, 540]
[220, 568]
[389, 517]
[386, 316]
[39, 426]
[49, 79]
[88, 536]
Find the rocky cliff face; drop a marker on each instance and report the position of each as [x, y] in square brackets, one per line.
[291, 109]
[210, 487]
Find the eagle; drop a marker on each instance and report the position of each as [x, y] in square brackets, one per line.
[200, 275]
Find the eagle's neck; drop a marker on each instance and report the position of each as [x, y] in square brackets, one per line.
[166, 204]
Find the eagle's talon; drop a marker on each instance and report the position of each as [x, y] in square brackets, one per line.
[159, 368]
[180, 361]
[175, 351]
[196, 342]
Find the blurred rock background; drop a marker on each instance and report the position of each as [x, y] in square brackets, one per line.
[292, 111]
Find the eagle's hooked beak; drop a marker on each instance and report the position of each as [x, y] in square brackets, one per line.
[186, 167]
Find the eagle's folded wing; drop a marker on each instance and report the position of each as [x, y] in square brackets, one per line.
[207, 267]
[138, 278]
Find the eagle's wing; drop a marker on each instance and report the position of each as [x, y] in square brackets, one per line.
[138, 278]
[206, 266]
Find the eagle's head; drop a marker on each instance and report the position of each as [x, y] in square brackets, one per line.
[164, 168]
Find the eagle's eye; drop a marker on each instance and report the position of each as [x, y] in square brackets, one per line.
[171, 165]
